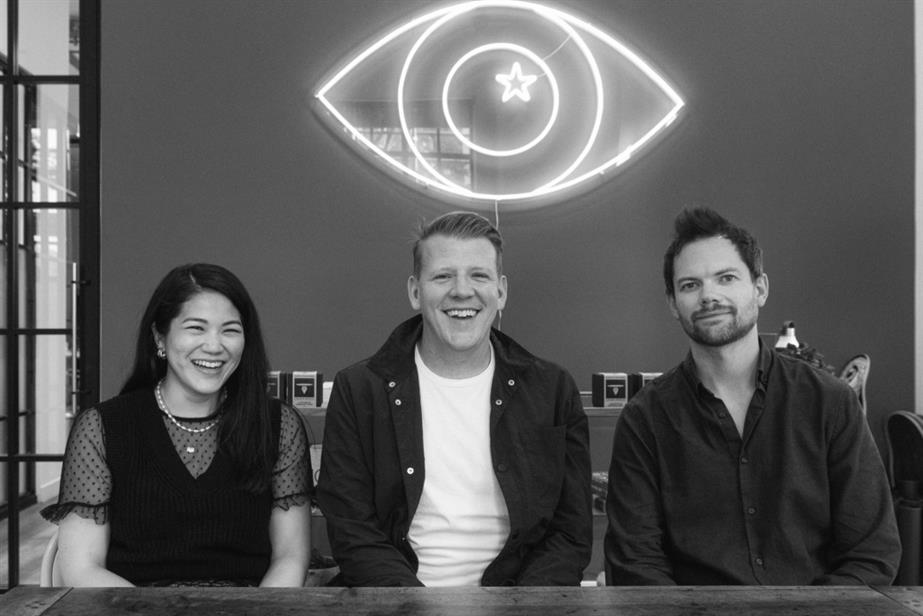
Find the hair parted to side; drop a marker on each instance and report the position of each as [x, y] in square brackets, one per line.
[459, 225]
[245, 432]
[703, 223]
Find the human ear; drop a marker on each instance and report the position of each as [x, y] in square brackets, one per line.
[671, 304]
[413, 292]
[762, 289]
[502, 290]
[158, 338]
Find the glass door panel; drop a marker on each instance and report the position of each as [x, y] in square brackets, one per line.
[4, 406]
[3, 37]
[45, 409]
[49, 123]
[4, 189]
[48, 249]
[49, 37]
[5, 216]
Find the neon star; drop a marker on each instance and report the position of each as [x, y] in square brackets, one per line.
[516, 84]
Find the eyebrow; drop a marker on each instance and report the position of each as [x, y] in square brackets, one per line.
[726, 270]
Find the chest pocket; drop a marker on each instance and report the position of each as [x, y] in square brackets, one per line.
[543, 450]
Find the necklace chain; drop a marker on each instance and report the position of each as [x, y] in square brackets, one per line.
[163, 407]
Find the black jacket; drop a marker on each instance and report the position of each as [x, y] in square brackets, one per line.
[372, 468]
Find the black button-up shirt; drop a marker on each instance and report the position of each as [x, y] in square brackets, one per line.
[800, 498]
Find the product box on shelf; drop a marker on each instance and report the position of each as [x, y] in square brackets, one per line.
[610, 389]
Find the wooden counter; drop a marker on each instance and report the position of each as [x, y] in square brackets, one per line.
[609, 601]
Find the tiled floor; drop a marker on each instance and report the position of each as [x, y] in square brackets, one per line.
[34, 533]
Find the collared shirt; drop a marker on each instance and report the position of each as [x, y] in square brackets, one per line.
[800, 498]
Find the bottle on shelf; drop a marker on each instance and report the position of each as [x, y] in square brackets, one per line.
[787, 336]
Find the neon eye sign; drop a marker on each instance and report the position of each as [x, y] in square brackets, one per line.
[499, 100]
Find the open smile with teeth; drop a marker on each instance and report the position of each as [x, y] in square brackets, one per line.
[462, 313]
[204, 363]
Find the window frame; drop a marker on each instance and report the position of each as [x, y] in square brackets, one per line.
[86, 208]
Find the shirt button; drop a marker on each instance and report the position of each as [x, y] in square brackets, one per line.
[511, 382]
[410, 470]
[498, 402]
[392, 384]
[397, 402]
[501, 467]
[759, 561]
[745, 460]
[751, 510]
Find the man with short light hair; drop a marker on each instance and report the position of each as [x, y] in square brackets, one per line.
[742, 465]
[453, 456]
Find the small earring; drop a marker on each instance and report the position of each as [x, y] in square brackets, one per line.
[161, 353]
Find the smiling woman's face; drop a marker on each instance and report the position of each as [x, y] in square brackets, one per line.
[203, 345]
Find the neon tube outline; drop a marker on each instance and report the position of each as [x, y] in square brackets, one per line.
[552, 16]
[555, 104]
[620, 48]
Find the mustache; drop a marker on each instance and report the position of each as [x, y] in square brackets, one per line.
[713, 310]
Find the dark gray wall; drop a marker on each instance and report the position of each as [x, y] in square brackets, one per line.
[799, 126]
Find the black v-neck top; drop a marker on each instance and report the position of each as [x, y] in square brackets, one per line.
[86, 481]
[165, 522]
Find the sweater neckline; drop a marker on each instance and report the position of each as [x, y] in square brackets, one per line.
[166, 457]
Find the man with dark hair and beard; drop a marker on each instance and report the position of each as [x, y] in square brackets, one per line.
[742, 465]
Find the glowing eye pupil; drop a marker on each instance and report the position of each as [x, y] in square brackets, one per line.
[516, 84]
[552, 116]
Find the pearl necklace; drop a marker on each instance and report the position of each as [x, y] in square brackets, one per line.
[163, 407]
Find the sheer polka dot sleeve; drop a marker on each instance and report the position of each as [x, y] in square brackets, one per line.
[291, 477]
[86, 483]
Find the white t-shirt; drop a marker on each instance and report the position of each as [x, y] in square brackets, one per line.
[461, 522]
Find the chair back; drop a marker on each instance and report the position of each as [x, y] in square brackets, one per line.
[856, 372]
[904, 434]
[48, 574]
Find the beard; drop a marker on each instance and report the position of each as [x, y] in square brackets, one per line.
[735, 327]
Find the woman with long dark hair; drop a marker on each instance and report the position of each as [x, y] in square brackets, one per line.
[192, 475]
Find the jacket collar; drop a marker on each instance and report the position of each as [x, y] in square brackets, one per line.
[394, 360]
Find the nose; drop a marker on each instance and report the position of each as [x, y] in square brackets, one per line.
[462, 287]
[708, 294]
[212, 342]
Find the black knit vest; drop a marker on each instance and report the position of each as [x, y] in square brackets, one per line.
[166, 525]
